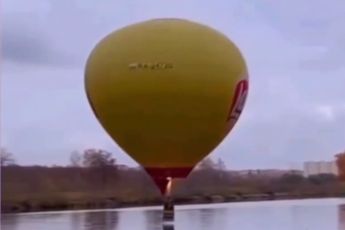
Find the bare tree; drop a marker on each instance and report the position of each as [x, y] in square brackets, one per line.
[97, 158]
[206, 164]
[100, 161]
[6, 157]
[76, 159]
[221, 165]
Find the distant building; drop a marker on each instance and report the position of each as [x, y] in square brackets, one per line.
[320, 167]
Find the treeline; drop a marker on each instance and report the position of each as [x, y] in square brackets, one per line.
[95, 180]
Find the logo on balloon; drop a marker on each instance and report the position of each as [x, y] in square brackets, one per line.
[152, 66]
[238, 102]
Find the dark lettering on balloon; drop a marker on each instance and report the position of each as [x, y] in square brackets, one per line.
[149, 65]
[238, 101]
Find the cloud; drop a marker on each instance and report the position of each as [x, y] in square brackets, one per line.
[313, 25]
[26, 45]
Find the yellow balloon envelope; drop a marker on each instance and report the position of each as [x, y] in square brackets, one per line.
[167, 91]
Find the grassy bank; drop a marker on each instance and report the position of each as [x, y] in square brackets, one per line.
[106, 203]
[25, 189]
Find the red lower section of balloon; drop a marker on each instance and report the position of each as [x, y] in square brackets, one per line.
[160, 175]
[176, 172]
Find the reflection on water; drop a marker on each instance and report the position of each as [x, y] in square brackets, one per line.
[11, 222]
[208, 218]
[169, 226]
[325, 214]
[153, 220]
[341, 217]
[76, 219]
[101, 220]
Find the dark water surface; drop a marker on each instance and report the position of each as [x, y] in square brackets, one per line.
[313, 214]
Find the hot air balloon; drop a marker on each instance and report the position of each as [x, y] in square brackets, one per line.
[167, 91]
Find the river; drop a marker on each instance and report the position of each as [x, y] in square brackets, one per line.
[310, 214]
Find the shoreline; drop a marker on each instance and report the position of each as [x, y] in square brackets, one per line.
[200, 200]
[41, 189]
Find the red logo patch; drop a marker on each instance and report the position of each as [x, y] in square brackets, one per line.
[238, 101]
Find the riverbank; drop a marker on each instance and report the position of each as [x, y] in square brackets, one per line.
[22, 207]
[32, 189]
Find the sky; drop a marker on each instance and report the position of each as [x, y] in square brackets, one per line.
[295, 52]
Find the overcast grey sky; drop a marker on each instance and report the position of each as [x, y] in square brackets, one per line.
[295, 52]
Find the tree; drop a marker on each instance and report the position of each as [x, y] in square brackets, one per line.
[221, 165]
[207, 164]
[6, 157]
[76, 159]
[291, 179]
[96, 158]
[323, 178]
[100, 162]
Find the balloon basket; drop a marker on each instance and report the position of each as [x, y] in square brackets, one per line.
[168, 210]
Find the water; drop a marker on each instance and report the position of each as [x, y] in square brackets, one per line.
[313, 214]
